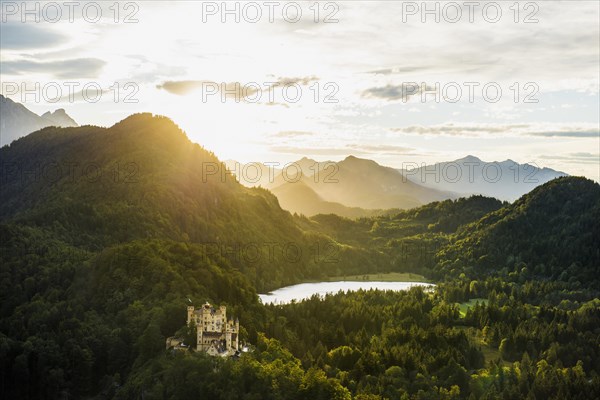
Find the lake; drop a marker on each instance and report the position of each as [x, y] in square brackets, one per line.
[305, 290]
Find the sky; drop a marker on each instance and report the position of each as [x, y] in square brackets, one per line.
[397, 82]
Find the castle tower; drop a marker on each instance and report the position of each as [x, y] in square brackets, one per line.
[237, 334]
[199, 339]
[190, 314]
[228, 340]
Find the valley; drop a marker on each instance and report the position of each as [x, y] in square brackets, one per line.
[104, 268]
[305, 200]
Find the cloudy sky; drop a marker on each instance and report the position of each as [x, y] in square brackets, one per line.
[379, 80]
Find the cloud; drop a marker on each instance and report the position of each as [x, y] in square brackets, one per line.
[59, 94]
[237, 90]
[576, 158]
[396, 92]
[18, 36]
[291, 134]
[273, 103]
[234, 90]
[306, 80]
[452, 130]
[313, 151]
[583, 133]
[474, 130]
[181, 88]
[357, 149]
[399, 70]
[63, 69]
[586, 155]
[382, 149]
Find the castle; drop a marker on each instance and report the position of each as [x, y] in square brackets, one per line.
[216, 334]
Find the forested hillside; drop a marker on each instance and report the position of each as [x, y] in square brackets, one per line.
[107, 234]
[550, 233]
[94, 188]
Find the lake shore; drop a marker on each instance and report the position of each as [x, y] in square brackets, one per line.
[302, 291]
[380, 277]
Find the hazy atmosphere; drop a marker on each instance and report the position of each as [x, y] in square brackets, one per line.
[300, 200]
[394, 82]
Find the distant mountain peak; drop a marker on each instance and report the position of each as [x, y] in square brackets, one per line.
[60, 118]
[306, 161]
[17, 120]
[59, 111]
[470, 158]
[355, 163]
[505, 180]
[354, 159]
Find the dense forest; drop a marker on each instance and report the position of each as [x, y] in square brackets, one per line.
[106, 233]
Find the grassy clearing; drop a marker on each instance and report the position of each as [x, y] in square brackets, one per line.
[386, 277]
[490, 353]
[463, 307]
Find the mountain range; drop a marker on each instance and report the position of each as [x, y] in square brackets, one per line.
[504, 180]
[143, 179]
[106, 233]
[353, 187]
[17, 121]
[356, 187]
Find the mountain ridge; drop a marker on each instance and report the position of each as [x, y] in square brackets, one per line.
[511, 238]
[143, 178]
[343, 183]
[16, 120]
[504, 180]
